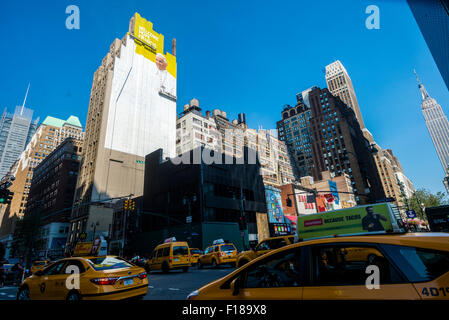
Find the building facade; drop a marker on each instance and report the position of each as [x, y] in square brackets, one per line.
[432, 17]
[195, 130]
[215, 131]
[52, 191]
[340, 85]
[44, 141]
[295, 131]
[16, 131]
[132, 112]
[215, 195]
[437, 125]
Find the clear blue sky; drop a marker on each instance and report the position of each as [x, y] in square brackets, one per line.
[241, 56]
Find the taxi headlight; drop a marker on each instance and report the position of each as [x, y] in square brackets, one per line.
[193, 294]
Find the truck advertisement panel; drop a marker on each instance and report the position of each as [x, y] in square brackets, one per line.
[376, 218]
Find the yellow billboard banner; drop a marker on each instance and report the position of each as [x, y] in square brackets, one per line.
[149, 43]
[143, 30]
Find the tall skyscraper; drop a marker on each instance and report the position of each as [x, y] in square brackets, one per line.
[16, 131]
[340, 85]
[333, 143]
[432, 17]
[132, 112]
[43, 142]
[295, 130]
[437, 124]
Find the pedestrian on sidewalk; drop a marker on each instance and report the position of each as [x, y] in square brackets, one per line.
[18, 271]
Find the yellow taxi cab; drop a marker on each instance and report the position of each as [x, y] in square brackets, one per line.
[402, 266]
[38, 265]
[219, 253]
[194, 255]
[169, 255]
[86, 278]
[263, 247]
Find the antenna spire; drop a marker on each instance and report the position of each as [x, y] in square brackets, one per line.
[26, 95]
[417, 78]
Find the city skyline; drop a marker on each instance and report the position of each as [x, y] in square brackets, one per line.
[394, 98]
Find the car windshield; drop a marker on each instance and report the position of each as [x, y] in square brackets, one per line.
[39, 263]
[180, 250]
[227, 247]
[108, 263]
[195, 251]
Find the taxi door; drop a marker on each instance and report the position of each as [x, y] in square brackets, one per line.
[154, 264]
[202, 257]
[277, 277]
[336, 274]
[427, 269]
[208, 255]
[48, 284]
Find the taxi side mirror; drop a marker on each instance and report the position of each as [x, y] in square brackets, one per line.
[235, 286]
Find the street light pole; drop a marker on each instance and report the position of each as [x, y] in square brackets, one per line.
[187, 200]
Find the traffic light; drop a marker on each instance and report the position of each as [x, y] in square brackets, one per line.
[132, 205]
[289, 202]
[9, 195]
[126, 205]
[5, 196]
[242, 223]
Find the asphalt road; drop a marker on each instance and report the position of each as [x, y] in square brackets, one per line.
[175, 285]
[8, 293]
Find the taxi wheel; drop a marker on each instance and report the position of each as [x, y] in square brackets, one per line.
[165, 268]
[73, 296]
[200, 265]
[185, 269]
[214, 263]
[23, 294]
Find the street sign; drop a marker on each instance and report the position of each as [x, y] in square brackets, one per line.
[189, 219]
[411, 214]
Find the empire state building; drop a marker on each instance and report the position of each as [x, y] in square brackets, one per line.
[438, 126]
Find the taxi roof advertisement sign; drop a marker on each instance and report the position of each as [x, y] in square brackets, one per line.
[374, 218]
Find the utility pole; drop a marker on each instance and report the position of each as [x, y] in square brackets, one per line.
[187, 200]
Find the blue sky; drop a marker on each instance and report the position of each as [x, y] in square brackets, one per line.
[241, 56]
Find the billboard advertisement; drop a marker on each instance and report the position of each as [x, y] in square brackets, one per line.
[374, 218]
[142, 103]
[280, 229]
[274, 205]
[334, 189]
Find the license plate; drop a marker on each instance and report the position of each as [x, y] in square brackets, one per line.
[128, 282]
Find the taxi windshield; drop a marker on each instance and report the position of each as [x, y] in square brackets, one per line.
[108, 263]
[39, 263]
[179, 251]
[195, 251]
[227, 247]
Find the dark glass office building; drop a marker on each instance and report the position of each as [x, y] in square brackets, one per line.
[223, 200]
[432, 17]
